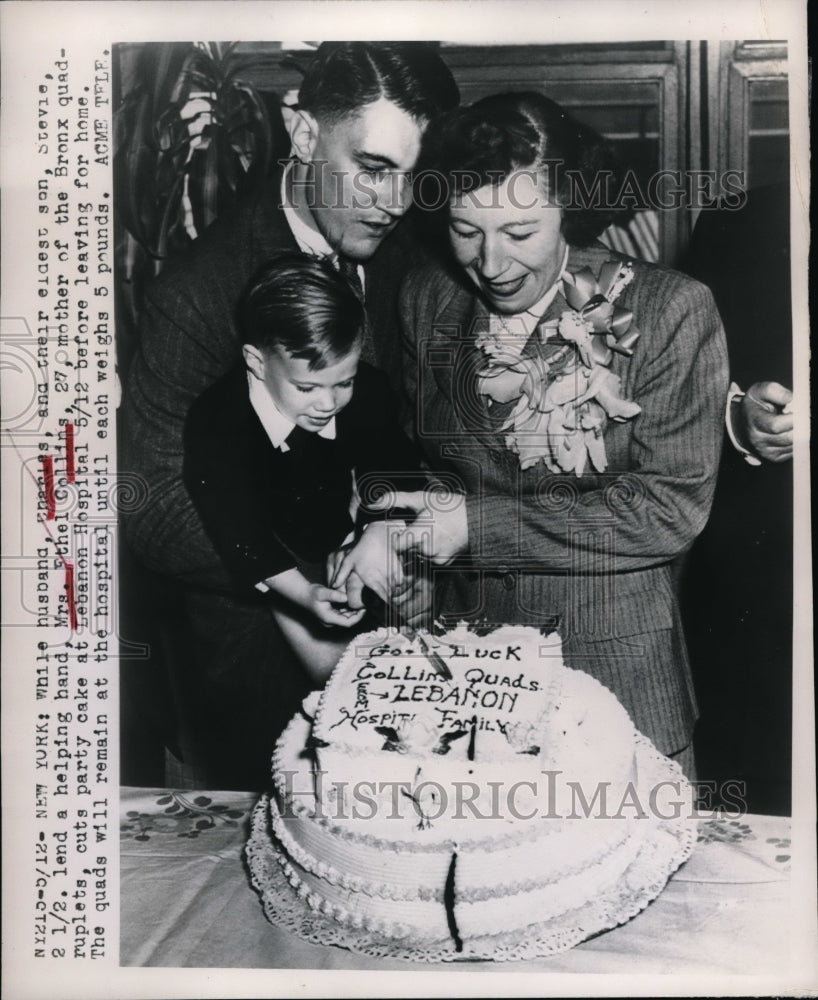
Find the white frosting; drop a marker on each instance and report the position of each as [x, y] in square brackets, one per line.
[375, 842]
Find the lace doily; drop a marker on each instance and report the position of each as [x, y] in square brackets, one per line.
[658, 857]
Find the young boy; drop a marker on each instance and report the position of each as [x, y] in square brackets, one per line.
[273, 450]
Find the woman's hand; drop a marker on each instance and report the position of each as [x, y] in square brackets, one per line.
[414, 602]
[437, 534]
[371, 562]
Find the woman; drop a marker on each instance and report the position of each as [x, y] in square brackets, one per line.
[573, 400]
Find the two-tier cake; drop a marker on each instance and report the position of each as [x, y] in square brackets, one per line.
[452, 794]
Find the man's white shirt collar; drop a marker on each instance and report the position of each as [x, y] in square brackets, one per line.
[309, 240]
[276, 426]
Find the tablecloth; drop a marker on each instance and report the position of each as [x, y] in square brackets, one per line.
[187, 901]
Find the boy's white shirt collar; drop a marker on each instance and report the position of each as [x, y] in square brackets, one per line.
[276, 426]
[309, 240]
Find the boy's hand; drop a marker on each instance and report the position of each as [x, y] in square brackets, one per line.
[330, 606]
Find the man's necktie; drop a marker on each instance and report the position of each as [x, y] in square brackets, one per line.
[349, 268]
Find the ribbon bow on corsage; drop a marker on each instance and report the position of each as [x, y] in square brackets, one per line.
[561, 385]
[596, 325]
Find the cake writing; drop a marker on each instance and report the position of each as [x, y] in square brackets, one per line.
[474, 675]
[448, 703]
[464, 696]
[398, 685]
[455, 652]
[446, 717]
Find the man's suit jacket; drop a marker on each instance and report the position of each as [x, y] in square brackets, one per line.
[591, 555]
[266, 510]
[188, 340]
[737, 586]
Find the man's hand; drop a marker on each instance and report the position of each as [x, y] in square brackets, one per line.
[334, 559]
[767, 423]
[371, 562]
[355, 587]
[437, 534]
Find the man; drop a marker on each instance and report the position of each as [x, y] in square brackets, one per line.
[356, 136]
[737, 584]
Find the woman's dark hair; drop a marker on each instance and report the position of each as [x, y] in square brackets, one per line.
[345, 76]
[485, 142]
[304, 305]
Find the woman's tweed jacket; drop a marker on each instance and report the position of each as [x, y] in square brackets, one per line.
[594, 555]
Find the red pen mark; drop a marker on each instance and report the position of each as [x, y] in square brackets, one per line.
[69, 453]
[48, 487]
[69, 591]
[51, 510]
[68, 570]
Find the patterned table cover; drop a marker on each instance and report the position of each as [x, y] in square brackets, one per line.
[187, 901]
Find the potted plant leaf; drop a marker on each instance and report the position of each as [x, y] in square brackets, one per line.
[191, 134]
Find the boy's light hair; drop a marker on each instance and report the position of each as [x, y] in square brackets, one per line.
[305, 306]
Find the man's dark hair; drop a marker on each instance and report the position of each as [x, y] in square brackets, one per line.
[304, 305]
[345, 76]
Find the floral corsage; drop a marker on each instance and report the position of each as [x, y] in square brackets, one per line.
[560, 382]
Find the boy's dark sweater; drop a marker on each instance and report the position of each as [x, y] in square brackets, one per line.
[267, 511]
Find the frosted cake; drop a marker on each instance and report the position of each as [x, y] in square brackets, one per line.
[448, 790]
